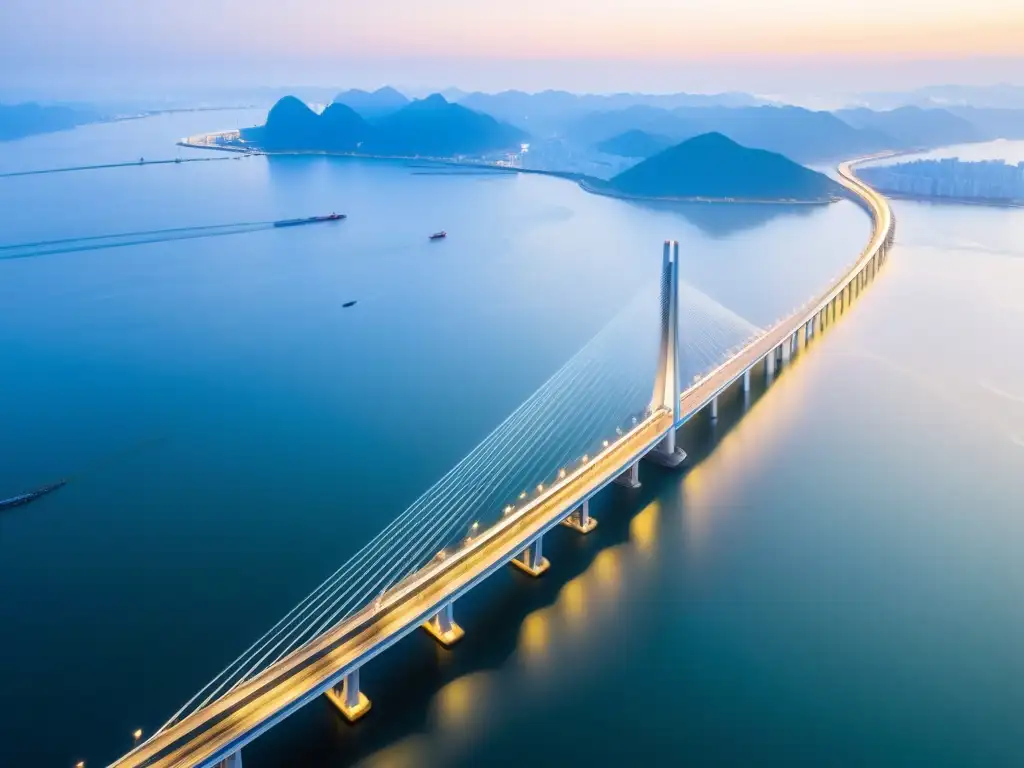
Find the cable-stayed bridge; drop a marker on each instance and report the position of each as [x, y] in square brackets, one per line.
[592, 422]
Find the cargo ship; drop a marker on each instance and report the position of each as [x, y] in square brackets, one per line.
[27, 498]
[309, 220]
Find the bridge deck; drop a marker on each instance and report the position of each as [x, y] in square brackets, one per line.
[216, 731]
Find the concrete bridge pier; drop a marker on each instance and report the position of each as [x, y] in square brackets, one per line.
[443, 627]
[666, 453]
[631, 477]
[531, 560]
[746, 382]
[769, 366]
[714, 408]
[580, 520]
[231, 761]
[346, 696]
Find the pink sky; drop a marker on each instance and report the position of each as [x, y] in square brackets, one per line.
[581, 43]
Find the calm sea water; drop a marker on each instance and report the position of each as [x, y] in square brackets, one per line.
[838, 579]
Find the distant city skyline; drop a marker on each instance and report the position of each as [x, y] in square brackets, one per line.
[651, 45]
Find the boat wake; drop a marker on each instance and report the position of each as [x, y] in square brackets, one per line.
[124, 239]
[1000, 393]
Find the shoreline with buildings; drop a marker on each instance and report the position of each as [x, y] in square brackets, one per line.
[984, 182]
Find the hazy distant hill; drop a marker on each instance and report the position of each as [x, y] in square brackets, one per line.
[993, 123]
[551, 111]
[435, 127]
[1001, 96]
[714, 166]
[429, 127]
[20, 120]
[635, 143]
[373, 105]
[913, 126]
[801, 134]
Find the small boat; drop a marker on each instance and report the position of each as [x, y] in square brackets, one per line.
[309, 220]
[27, 498]
[349, 304]
[439, 235]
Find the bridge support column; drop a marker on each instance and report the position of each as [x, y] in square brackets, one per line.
[231, 761]
[769, 365]
[443, 627]
[346, 696]
[667, 453]
[631, 477]
[714, 408]
[580, 520]
[531, 560]
[746, 381]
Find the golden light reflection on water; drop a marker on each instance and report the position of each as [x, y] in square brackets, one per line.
[709, 489]
[643, 528]
[407, 753]
[457, 706]
[535, 636]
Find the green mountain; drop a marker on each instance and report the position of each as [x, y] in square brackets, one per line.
[713, 166]
[431, 127]
[635, 143]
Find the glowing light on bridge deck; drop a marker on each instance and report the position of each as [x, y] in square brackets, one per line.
[585, 459]
[522, 495]
[442, 555]
[509, 509]
[137, 734]
[605, 444]
[540, 488]
[561, 474]
[80, 764]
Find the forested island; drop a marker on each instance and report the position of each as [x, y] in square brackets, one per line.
[713, 167]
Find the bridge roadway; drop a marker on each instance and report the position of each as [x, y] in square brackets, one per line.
[694, 399]
[219, 730]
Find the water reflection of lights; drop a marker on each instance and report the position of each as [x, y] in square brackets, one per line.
[406, 753]
[459, 705]
[535, 636]
[743, 452]
[608, 570]
[643, 528]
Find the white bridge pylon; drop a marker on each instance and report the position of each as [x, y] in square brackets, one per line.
[666, 381]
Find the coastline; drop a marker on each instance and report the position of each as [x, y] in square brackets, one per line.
[589, 184]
